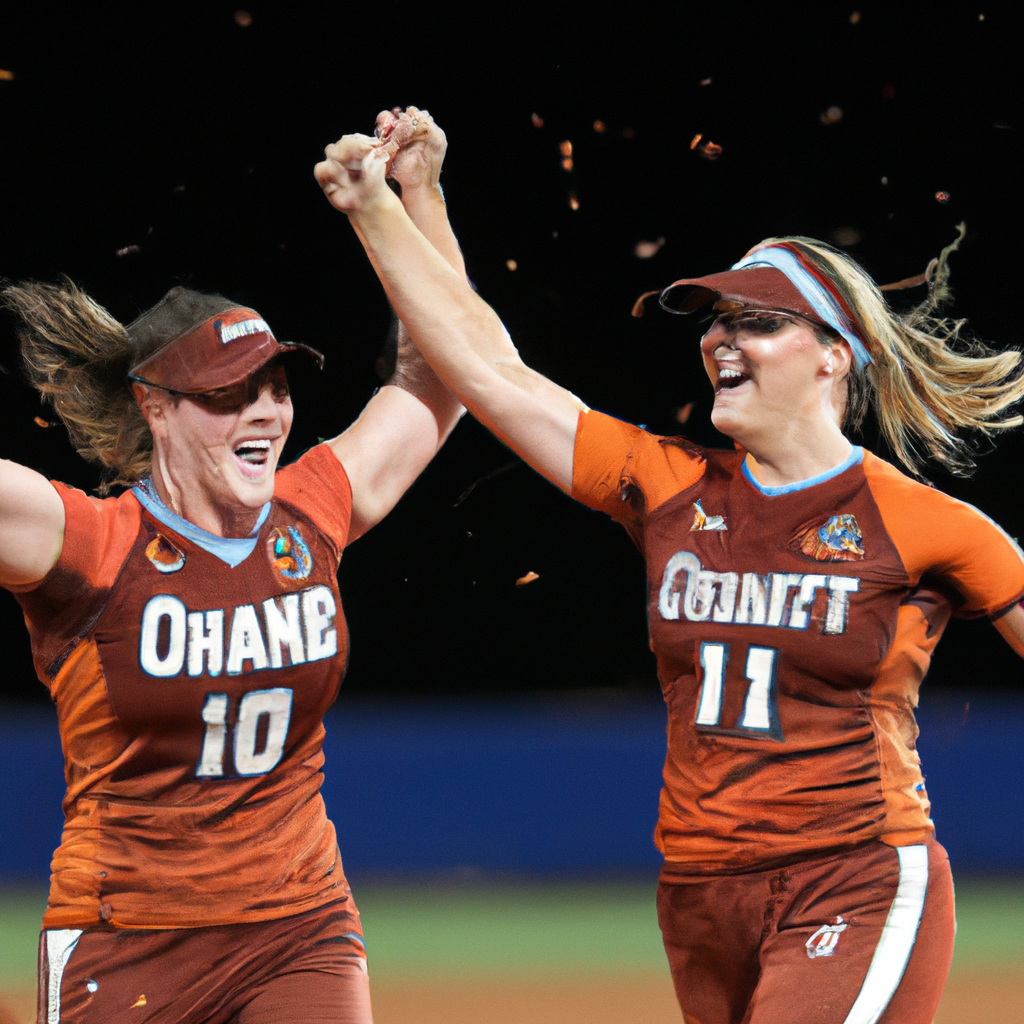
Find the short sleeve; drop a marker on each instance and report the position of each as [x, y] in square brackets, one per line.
[98, 537]
[318, 486]
[619, 468]
[940, 536]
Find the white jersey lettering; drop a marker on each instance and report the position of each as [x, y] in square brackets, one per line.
[751, 600]
[163, 606]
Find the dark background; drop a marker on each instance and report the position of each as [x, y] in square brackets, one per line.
[175, 129]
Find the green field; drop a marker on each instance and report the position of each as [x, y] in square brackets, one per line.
[537, 929]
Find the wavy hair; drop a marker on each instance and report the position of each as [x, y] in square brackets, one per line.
[930, 380]
[77, 356]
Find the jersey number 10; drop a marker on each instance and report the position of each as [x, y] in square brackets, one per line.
[273, 706]
[760, 716]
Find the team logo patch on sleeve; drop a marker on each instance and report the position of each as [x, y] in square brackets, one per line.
[289, 553]
[164, 555]
[837, 540]
[702, 521]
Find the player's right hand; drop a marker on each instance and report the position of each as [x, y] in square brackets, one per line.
[352, 174]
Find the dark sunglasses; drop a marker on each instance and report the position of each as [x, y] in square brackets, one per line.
[234, 396]
[763, 322]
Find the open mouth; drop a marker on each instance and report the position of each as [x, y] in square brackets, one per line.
[254, 456]
[729, 379]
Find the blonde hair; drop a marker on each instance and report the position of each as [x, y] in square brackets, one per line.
[78, 356]
[929, 380]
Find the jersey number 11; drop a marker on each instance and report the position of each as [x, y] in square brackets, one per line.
[760, 716]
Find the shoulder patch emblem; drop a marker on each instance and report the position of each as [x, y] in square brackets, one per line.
[164, 555]
[837, 540]
[289, 553]
[702, 521]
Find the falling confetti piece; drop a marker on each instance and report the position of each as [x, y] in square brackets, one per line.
[599, 127]
[6, 76]
[684, 412]
[885, 180]
[832, 116]
[40, 422]
[528, 578]
[855, 17]
[178, 188]
[243, 18]
[846, 236]
[511, 264]
[538, 121]
[128, 250]
[695, 140]
[141, 1001]
[710, 150]
[942, 197]
[705, 81]
[567, 163]
[645, 250]
[574, 203]
[981, 17]
[628, 133]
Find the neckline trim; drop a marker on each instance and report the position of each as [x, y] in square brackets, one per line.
[230, 550]
[855, 457]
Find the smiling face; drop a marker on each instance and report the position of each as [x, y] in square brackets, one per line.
[768, 371]
[215, 455]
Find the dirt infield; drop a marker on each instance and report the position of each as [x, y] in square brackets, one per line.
[972, 997]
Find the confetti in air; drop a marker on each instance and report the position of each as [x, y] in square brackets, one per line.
[243, 18]
[845, 237]
[141, 1001]
[538, 121]
[832, 116]
[855, 17]
[6, 76]
[705, 81]
[528, 578]
[885, 180]
[40, 422]
[566, 151]
[645, 250]
[129, 250]
[684, 412]
[599, 127]
[511, 264]
[942, 197]
[574, 203]
[709, 150]
[695, 140]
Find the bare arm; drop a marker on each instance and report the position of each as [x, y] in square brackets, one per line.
[459, 334]
[408, 419]
[31, 525]
[1011, 625]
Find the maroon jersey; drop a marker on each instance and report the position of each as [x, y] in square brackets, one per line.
[191, 674]
[792, 628]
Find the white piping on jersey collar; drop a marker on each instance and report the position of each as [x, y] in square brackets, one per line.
[855, 457]
[232, 550]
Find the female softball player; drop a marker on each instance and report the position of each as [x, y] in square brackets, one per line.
[191, 634]
[798, 586]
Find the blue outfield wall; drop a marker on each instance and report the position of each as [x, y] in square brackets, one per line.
[536, 786]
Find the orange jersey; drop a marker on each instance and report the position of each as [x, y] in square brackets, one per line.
[792, 629]
[191, 675]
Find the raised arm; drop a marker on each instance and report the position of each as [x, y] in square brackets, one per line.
[31, 525]
[408, 419]
[1011, 625]
[459, 334]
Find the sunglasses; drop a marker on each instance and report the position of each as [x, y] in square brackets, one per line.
[234, 396]
[763, 322]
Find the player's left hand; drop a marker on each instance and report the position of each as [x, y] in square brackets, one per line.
[418, 145]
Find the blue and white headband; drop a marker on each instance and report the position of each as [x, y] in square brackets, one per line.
[821, 300]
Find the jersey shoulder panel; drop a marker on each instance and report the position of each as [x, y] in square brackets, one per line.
[98, 537]
[318, 486]
[938, 535]
[616, 463]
